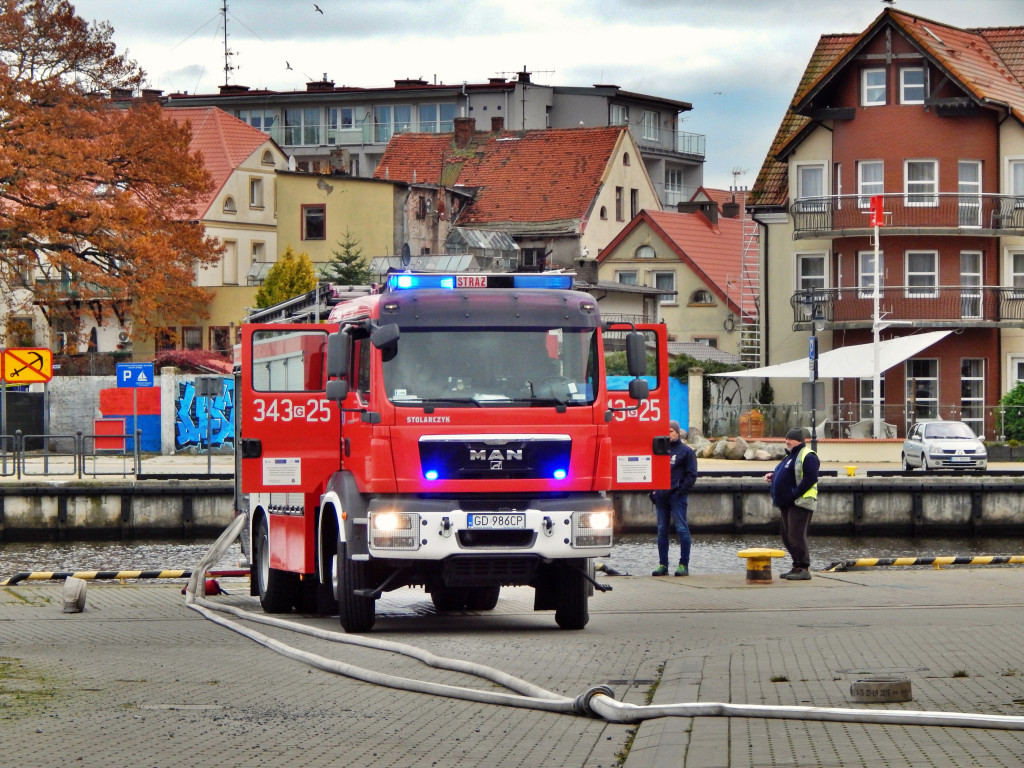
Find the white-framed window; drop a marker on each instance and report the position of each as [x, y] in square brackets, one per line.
[302, 126]
[619, 191]
[866, 273]
[1014, 371]
[913, 85]
[872, 87]
[810, 272]
[922, 377]
[970, 284]
[340, 119]
[968, 175]
[626, 277]
[264, 119]
[619, 115]
[437, 118]
[1015, 272]
[708, 341]
[972, 394]
[810, 186]
[922, 274]
[389, 119]
[1015, 173]
[229, 263]
[644, 252]
[259, 251]
[255, 192]
[870, 181]
[666, 281]
[921, 182]
[650, 125]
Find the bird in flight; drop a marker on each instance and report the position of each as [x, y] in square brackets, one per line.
[287, 65]
[317, 8]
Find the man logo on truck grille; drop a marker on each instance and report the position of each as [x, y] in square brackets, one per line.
[496, 457]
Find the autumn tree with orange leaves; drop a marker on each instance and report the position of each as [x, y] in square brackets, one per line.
[98, 206]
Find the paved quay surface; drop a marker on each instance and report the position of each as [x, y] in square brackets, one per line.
[140, 679]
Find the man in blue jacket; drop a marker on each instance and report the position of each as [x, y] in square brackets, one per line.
[794, 489]
[671, 502]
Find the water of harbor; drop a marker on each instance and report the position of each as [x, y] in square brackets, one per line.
[633, 554]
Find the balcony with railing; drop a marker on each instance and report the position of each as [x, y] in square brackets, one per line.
[358, 134]
[940, 306]
[692, 145]
[910, 214]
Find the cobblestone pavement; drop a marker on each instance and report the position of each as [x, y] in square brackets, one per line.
[139, 679]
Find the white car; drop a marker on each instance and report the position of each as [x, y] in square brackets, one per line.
[943, 445]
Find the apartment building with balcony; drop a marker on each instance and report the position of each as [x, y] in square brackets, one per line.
[345, 128]
[925, 120]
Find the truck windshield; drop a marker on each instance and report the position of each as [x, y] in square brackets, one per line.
[517, 366]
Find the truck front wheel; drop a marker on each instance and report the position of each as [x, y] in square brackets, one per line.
[277, 589]
[572, 611]
[357, 613]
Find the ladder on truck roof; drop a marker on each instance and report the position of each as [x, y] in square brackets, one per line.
[311, 307]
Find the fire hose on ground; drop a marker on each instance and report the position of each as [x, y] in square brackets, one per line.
[597, 702]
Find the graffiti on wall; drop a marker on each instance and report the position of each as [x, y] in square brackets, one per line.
[204, 422]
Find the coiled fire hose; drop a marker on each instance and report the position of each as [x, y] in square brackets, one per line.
[596, 702]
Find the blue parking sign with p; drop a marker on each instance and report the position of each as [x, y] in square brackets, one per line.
[134, 375]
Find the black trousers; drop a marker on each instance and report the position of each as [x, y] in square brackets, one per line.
[794, 525]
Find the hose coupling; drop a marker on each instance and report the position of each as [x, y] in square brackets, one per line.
[582, 702]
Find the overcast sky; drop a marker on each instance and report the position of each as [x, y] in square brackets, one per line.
[736, 61]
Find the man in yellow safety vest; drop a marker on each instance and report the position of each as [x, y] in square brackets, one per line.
[794, 489]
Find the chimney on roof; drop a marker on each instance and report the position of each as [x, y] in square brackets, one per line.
[497, 123]
[586, 270]
[320, 85]
[120, 93]
[410, 81]
[464, 128]
[524, 76]
[496, 80]
[151, 94]
[730, 210]
[708, 207]
[226, 89]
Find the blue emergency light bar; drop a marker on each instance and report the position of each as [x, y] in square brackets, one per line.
[408, 281]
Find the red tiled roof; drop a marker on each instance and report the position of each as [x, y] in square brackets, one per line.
[988, 63]
[529, 176]
[712, 252]
[225, 142]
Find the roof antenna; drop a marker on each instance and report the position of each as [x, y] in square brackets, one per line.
[227, 53]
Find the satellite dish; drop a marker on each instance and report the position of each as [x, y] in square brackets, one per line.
[406, 255]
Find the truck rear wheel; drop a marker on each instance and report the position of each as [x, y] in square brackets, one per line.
[357, 613]
[482, 598]
[572, 611]
[277, 589]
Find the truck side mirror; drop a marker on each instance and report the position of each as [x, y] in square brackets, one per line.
[638, 389]
[636, 354]
[339, 347]
[383, 335]
[337, 390]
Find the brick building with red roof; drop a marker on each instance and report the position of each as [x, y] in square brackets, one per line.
[561, 194]
[927, 119]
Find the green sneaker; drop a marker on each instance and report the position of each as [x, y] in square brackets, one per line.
[682, 570]
[661, 570]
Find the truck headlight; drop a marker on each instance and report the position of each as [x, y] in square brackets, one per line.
[592, 529]
[394, 530]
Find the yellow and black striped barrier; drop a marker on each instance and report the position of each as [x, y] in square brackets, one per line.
[112, 575]
[935, 562]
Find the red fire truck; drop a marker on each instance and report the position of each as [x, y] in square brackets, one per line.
[454, 432]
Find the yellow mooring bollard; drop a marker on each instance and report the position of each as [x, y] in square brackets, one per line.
[851, 471]
[759, 563]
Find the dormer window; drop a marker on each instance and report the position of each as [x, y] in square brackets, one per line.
[872, 87]
[912, 85]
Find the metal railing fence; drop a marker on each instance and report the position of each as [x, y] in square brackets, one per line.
[77, 454]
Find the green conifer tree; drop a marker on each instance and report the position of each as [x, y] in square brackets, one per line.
[348, 267]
